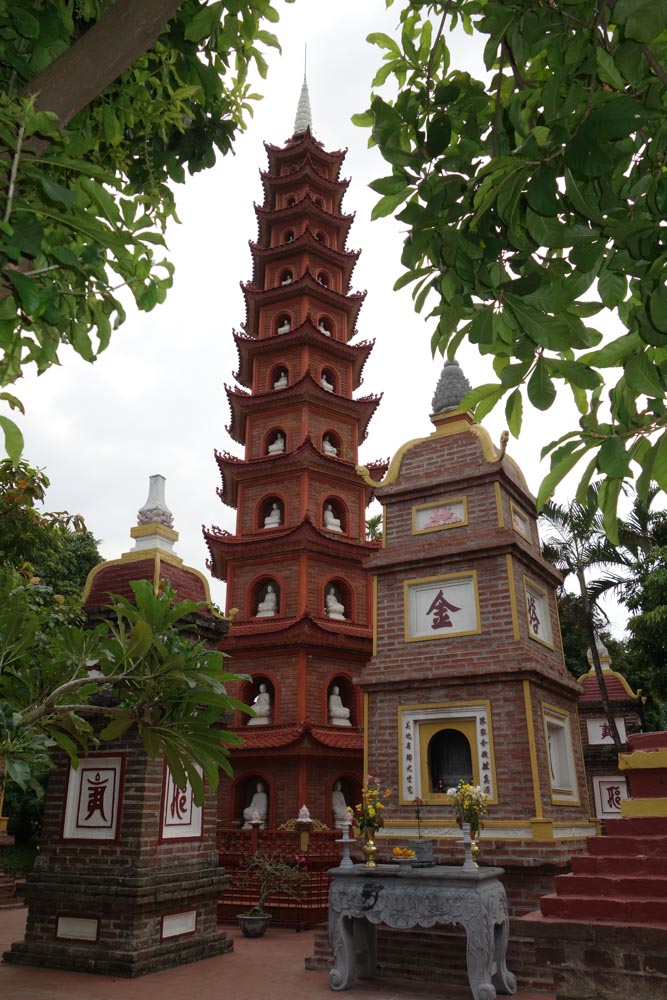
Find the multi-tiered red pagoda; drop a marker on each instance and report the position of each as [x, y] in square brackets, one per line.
[295, 567]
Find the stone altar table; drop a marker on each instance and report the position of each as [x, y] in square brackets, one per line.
[360, 898]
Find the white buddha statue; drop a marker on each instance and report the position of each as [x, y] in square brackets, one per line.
[334, 609]
[278, 445]
[327, 447]
[287, 278]
[282, 381]
[325, 383]
[285, 326]
[339, 804]
[262, 707]
[274, 518]
[338, 714]
[259, 807]
[269, 606]
[331, 522]
[323, 328]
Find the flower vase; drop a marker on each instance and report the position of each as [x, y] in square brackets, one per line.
[370, 849]
[474, 846]
[469, 863]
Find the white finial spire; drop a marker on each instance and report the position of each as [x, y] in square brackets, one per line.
[304, 118]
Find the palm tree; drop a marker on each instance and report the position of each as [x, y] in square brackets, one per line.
[374, 528]
[578, 546]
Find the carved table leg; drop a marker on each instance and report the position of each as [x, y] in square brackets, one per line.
[503, 980]
[341, 935]
[479, 957]
[365, 946]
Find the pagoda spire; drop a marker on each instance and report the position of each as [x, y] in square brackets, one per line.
[304, 117]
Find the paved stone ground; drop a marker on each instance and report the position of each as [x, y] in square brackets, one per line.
[271, 968]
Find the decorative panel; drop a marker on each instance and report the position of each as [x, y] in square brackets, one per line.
[181, 818]
[437, 607]
[92, 804]
[447, 513]
[537, 613]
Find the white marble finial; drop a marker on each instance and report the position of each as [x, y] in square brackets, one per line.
[155, 510]
[304, 117]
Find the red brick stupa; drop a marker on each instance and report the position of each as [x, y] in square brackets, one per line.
[297, 585]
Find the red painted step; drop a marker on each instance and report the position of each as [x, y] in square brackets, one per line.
[648, 846]
[610, 909]
[636, 826]
[610, 864]
[611, 886]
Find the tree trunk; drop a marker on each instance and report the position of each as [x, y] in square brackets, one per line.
[597, 666]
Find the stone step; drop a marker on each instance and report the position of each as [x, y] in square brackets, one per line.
[611, 886]
[609, 909]
[612, 864]
[635, 826]
[645, 845]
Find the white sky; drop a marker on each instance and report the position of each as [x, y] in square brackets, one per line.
[155, 401]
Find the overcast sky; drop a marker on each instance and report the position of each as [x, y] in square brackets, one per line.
[155, 401]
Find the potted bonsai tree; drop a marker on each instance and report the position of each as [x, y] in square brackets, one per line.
[272, 875]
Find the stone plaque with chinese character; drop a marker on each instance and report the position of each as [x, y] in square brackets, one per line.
[537, 613]
[92, 805]
[181, 818]
[609, 793]
[599, 733]
[436, 609]
[446, 514]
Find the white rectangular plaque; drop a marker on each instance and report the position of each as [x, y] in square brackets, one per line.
[77, 928]
[175, 924]
[92, 804]
[439, 607]
[181, 818]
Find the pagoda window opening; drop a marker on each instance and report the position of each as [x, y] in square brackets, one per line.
[331, 444]
[328, 380]
[279, 377]
[320, 237]
[251, 802]
[338, 604]
[341, 708]
[449, 760]
[260, 694]
[284, 323]
[271, 513]
[334, 515]
[276, 441]
[325, 326]
[265, 598]
[291, 201]
[323, 279]
[286, 277]
[289, 236]
[318, 203]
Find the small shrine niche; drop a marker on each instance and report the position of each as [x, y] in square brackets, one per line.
[279, 377]
[276, 442]
[320, 237]
[283, 323]
[266, 599]
[260, 694]
[252, 802]
[333, 515]
[331, 444]
[328, 381]
[323, 279]
[272, 513]
[286, 277]
[289, 236]
[338, 600]
[325, 326]
[341, 702]
[449, 760]
[317, 202]
[291, 201]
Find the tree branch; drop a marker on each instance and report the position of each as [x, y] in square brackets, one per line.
[654, 64]
[13, 173]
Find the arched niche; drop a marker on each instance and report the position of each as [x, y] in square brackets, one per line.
[254, 692]
[283, 323]
[334, 515]
[318, 203]
[324, 279]
[271, 513]
[265, 598]
[449, 759]
[289, 236]
[325, 325]
[347, 694]
[290, 201]
[328, 380]
[286, 276]
[321, 237]
[245, 790]
[337, 599]
[279, 377]
[331, 443]
[275, 441]
[350, 789]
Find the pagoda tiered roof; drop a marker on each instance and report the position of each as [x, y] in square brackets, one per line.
[236, 470]
[296, 146]
[305, 536]
[309, 631]
[260, 739]
[262, 255]
[307, 170]
[307, 333]
[254, 297]
[617, 687]
[306, 390]
[293, 213]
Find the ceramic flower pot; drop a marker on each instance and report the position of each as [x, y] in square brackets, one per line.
[254, 925]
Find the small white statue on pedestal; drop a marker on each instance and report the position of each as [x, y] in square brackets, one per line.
[269, 606]
[334, 609]
[282, 381]
[274, 518]
[262, 707]
[327, 447]
[340, 813]
[258, 808]
[323, 328]
[285, 326]
[331, 522]
[338, 715]
[326, 384]
[278, 445]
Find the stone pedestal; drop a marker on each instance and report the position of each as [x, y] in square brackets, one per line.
[127, 879]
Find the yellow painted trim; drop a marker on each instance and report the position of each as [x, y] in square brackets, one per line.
[512, 591]
[143, 530]
[141, 555]
[534, 769]
[365, 711]
[577, 723]
[561, 798]
[374, 598]
[640, 760]
[465, 574]
[440, 503]
[499, 504]
[614, 673]
[531, 635]
[541, 828]
[427, 730]
[644, 807]
[520, 512]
